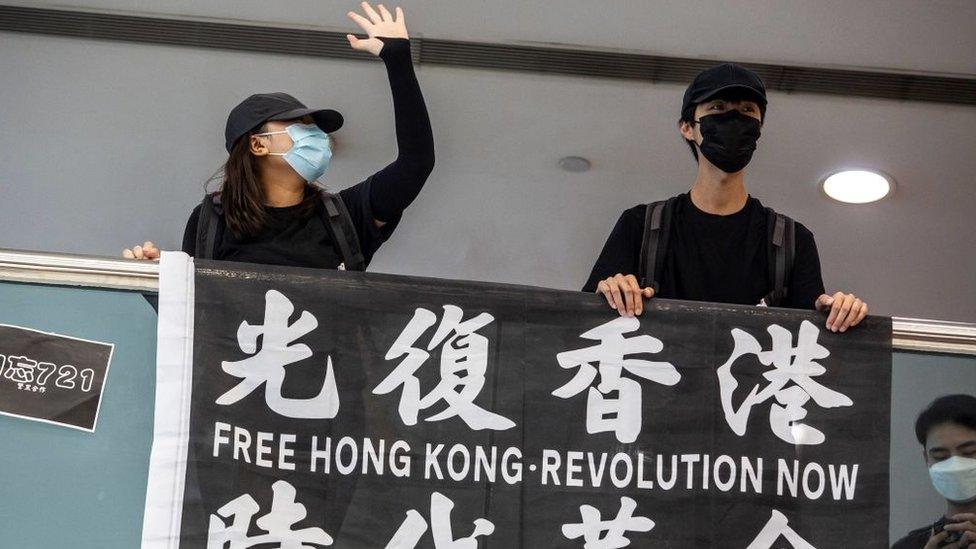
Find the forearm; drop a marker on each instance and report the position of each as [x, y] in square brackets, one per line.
[394, 187]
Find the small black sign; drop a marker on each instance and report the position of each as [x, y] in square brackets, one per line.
[52, 378]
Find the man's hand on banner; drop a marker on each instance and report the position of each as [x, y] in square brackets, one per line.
[846, 310]
[147, 251]
[378, 23]
[624, 294]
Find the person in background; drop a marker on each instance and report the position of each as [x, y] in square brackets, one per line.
[716, 242]
[946, 429]
[270, 210]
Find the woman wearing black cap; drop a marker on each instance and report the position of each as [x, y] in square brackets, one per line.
[268, 209]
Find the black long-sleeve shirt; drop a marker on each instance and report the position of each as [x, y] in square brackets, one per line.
[291, 239]
[717, 258]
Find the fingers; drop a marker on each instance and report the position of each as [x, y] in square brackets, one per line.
[399, 15]
[935, 541]
[858, 312]
[149, 250]
[604, 288]
[638, 294]
[628, 294]
[968, 537]
[841, 322]
[618, 300]
[354, 42]
[969, 527]
[823, 302]
[624, 294]
[371, 13]
[846, 310]
[835, 308]
[363, 23]
[385, 13]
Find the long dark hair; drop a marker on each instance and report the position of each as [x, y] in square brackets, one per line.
[242, 195]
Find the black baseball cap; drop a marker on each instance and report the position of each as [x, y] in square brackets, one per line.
[262, 107]
[728, 76]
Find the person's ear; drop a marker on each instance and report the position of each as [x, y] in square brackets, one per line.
[259, 146]
[687, 130]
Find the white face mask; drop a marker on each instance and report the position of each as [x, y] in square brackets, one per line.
[955, 478]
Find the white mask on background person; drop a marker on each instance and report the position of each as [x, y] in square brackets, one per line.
[955, 478]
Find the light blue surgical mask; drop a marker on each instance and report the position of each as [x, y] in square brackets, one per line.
[311, 150]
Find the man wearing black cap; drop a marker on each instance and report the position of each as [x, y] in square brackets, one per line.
[716, 243]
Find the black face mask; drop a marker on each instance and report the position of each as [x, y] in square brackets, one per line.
[729, 139]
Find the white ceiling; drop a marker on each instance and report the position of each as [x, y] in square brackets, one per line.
[108, 143]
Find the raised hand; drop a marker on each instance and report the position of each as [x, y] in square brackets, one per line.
[378, 23]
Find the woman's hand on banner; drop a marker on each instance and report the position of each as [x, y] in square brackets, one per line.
[624, 294]
[147, 251]
[846, 310]
[378, 23]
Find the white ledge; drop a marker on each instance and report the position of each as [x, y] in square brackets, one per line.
[78, 270]
[909, 334]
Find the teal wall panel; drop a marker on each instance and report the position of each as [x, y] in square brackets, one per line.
[61, 487]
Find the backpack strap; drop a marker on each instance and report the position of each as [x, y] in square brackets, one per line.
[343, 232]
[207, 226]
[781, 249]
[657, 231]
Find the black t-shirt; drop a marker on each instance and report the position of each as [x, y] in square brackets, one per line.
[717, 258]
[293, 241]
[916, 539]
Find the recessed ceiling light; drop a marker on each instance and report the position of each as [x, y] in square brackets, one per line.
[574, 164]
[857, 186]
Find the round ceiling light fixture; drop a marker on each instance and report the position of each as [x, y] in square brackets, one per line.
[857, 186]
[574, 164]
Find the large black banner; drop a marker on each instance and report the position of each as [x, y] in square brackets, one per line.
[350, 410]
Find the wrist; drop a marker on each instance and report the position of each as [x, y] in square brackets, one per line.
[394, 48]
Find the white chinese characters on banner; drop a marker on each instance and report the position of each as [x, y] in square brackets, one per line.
[620, 414]
[414, 527]
[463, 365]
[790, 364]
[231, 523]
[267, 366]
[607, 534]
[776, 527]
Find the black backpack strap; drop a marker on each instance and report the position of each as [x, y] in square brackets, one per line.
[207, 226]
[657, 230]
[339, 224]
[781, 231]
